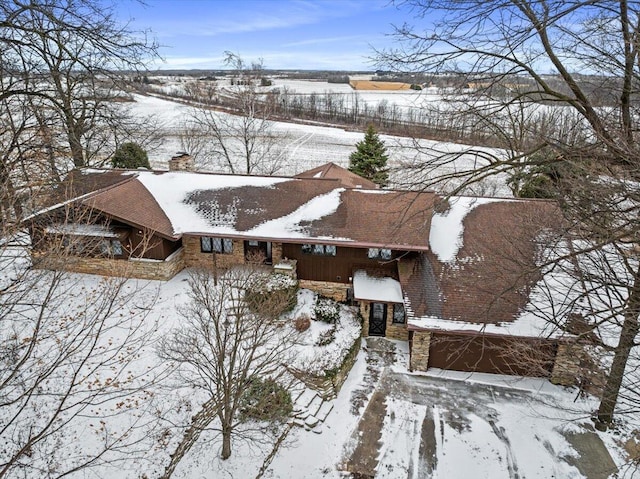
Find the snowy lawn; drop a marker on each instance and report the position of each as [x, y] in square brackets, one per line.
[445, 427]
[313, 356]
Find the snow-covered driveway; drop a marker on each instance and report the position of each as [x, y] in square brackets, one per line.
[430, 427]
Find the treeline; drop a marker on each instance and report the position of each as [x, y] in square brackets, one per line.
[350, 111]
[436, 120]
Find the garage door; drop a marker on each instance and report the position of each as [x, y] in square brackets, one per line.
[491, 355]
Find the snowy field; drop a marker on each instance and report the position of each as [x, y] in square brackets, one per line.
[306, 146]
[403, 99]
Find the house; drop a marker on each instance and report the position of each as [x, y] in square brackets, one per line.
[451, 276]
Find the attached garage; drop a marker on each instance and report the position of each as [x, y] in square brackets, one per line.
[489, 353]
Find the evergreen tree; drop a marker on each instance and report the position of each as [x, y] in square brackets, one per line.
[130, 155]
[370, 158]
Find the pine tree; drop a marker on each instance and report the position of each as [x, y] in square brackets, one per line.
[370, 158]
[130, 155]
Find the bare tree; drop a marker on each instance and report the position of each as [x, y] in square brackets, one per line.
[69, 371]
[70, 55]
[231, 338]
[244, 141]
[524, 61]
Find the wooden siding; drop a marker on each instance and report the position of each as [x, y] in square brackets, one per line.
[489, 354]
[338, 268]
[149, 246]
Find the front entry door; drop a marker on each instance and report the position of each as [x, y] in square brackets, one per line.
[258, 249]
[377, 319]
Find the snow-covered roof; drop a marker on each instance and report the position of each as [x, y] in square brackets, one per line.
[487, 277]
[172, 191]
[268, 208]
[371, 288]
[446, 235]
[80, 229]
[523, 326]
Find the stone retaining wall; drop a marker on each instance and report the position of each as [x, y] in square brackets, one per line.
[134, 268]
[328, 386]
[335, 291]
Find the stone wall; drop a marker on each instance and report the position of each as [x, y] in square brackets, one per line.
[335, 291]
[328, 386]
[134, 268]
[393, 330]
[419, 354]
[364, 312]
[567, 367]
[195, 258]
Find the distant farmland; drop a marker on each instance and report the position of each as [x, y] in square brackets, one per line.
[378, 85]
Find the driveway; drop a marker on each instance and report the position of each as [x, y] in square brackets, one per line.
[427, 427]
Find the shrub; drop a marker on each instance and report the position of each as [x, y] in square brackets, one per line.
[415, 86]
[326, 310]
[265, 400]
[302, 323]
[130, 155]
[327, 337]
[272, 294]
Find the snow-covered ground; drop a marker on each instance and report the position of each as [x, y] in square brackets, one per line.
[490, 431]
[306, 146]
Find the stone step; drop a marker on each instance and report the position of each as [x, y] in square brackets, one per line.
[298, 422]
[324, 411]
[315, 405]
[306, 398]
[311, 421]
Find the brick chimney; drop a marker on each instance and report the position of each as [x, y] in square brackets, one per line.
[182, 162]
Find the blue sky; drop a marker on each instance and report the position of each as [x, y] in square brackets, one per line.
[286, 34]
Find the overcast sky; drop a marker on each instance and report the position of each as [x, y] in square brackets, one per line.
[286, 34]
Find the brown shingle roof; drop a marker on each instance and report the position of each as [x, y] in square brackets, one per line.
[494, 271]
[81, 182]
[333, 171]
[256, 205]
[394, 219]
[132, 203]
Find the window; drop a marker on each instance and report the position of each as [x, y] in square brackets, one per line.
[320, 249]
[398, 313]
[381, 253]
[105, 247]
[116, 248]
[216, 245]
[205, 245]
[110, 248]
